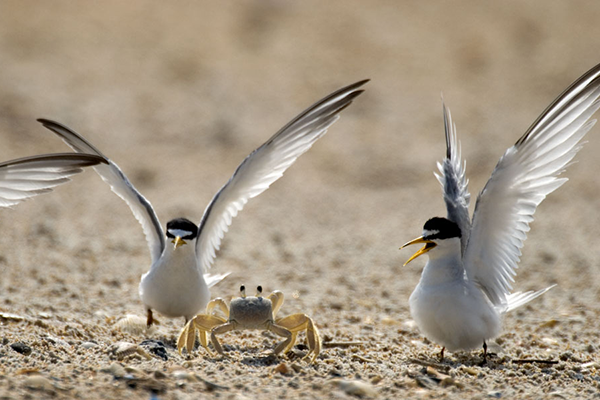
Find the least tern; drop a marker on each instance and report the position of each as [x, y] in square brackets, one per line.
[175, 285]
[27, 177]
[466, 284]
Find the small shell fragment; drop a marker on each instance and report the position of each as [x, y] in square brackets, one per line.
[8, 317]
[591, 364]
[356, 388]
[124, 349]
[469, 370]
[38, 382]
[133, 324]
[548, 324]
[88, 345]
[116, 370]
[184, 375]
[549, 341]
[283, 369]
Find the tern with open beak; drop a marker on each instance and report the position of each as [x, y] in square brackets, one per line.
[466, 285]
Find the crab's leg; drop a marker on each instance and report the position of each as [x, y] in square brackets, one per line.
[313, 338]
[184, 339]
[219, 304]
[277, 300]
[299, 322]
[201, 323]
[292, 342]
[282, 331]
[224, 328]
[203, 336]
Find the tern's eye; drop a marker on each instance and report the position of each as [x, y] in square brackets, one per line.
[259, 289]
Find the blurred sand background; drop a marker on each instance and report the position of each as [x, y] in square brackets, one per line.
[178, 93]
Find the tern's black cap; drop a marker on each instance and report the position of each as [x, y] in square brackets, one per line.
[182, 224]
[440, 228]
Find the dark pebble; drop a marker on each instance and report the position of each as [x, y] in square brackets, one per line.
[21, 348]
[156, 347]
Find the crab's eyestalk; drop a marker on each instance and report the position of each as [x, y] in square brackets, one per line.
[258, 291]
[178, 241]
[428, 246]
[243, 291]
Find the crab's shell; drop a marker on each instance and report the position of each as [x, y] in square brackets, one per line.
[251, 312]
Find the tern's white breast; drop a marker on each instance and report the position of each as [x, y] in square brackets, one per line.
[174, 286]
[449, 309]
[455, 315]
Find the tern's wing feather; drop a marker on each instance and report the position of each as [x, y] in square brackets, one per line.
[112, 174]
[525, 174]
[454, 182]
[213, 279]
[518, 299]
[265, 165]
[27, 177]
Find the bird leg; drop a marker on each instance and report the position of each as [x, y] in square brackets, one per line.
[484, 353]
[150, 319]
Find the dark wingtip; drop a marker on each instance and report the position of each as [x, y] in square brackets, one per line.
[84, 159]
[354, 95]
[447, 130]
[81, 159]
[595, 70]
[91, 159]
[48, 123]
[45, 121]
[359, 83]
[351, 87]
[70, 137]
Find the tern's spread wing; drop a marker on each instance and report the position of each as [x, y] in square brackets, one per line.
[454, 182]
[265, 165]
[111, 174]
[27, 177]
[526, 173]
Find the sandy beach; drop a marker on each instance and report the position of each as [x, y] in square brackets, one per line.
[178, 93]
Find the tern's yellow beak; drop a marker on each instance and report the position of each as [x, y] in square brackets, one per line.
[428, 246]
[178, 241]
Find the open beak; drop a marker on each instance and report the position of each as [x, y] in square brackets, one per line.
[178, 241]
[428, 246]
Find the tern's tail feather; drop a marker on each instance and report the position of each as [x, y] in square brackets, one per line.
[517, 299]
[213, 279]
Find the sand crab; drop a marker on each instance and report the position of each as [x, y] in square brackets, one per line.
[249, 312]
